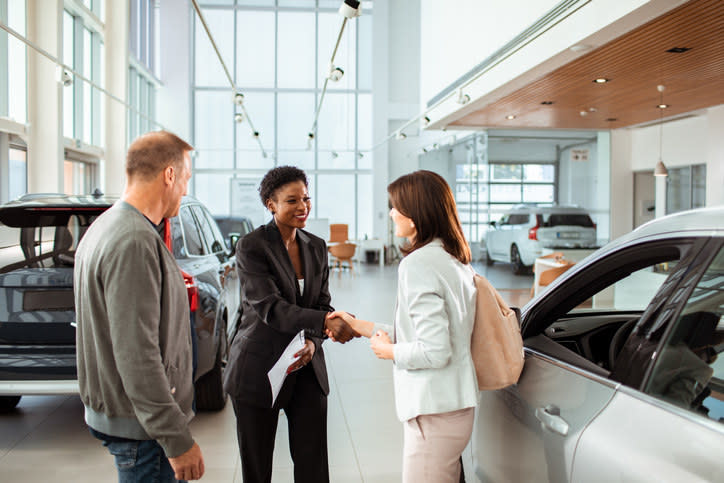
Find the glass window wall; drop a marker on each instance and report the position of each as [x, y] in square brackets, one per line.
[279, 54]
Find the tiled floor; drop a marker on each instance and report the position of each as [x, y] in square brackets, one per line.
[46, 439]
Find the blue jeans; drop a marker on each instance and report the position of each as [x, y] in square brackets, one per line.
[138, 461]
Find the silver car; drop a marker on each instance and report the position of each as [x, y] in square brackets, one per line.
[622, 379]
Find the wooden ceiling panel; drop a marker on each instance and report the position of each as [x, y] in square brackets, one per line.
[636, 63]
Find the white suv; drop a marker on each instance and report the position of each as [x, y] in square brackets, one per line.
[521, 234]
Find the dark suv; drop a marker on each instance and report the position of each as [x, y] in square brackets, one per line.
[38, 238]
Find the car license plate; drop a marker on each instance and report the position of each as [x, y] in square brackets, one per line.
[568, 235]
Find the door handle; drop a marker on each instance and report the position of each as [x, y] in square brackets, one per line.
[550, 417]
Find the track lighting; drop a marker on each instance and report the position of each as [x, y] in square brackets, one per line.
[462, 98]
[238, 117]
[66, 78]
[255, 134]
[239, 99]
[350, 9]
[335, 73]
[400, 135]
[425, 121]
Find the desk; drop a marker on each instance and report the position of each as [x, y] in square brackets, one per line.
[370, 245]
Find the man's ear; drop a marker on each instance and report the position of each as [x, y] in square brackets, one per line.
[169, 175]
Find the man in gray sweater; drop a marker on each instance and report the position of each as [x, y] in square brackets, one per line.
[133, 337]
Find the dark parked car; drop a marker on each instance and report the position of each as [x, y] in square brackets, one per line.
[233, 225]
[37, 313]
[622, 379]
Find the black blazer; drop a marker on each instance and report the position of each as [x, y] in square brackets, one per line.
[273, 310]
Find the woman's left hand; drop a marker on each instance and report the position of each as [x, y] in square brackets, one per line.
[382, 345]
[305, 356]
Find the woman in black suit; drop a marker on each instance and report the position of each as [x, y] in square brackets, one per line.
[283, 272]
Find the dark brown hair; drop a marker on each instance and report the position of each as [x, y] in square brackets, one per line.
[150, 153]
[425, 198]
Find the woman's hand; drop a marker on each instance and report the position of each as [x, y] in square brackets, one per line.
[305, 356]
[363, 328]
[382, 346]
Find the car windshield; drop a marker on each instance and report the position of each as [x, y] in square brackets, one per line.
[567, 219]
[51, 243]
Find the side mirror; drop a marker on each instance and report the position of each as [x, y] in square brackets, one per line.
[233, 240]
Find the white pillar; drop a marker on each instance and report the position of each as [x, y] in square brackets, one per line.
[45, 98]
[380, 110]
[173, 112]
[116, 61]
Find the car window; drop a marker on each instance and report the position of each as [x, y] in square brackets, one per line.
[689, 371]
[209, 229]
[193, 242]
[518, 219]
[567, 219]
[633, 292]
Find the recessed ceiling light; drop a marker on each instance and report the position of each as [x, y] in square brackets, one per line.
[583, 113]
[663, 106]
[678, 50]
[601, 80]
[592, 109]
[510, 117]
[547, 103]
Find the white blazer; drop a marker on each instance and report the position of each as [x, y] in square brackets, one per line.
[433, 368]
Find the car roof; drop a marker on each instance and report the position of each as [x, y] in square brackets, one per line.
[548, 209]
[27, 209]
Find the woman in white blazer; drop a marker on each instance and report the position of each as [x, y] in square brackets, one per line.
[429, 343]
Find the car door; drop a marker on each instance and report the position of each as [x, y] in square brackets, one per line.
[666, 423]
[530, 431]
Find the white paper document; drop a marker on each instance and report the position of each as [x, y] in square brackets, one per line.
[278, 373]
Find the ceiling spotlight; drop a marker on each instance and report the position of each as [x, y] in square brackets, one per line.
[400, 135]
[239, 99]
[662, 106]
[592, 109]
[360, 155]
[462, 98]
[310, 135]
[335, 154]
[255, 134]
[66, 78]
[425, 121]
[350, 9]
[678, 50]
[335, 73]
[310, 138]
[510, 117]
[583, 113]
[547, 103]
[601, 80]
[238, 117]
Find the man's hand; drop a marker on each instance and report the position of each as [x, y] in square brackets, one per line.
[382, 346]
[189, 465]
[340, 330]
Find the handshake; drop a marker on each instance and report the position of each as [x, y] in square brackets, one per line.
[339, 326]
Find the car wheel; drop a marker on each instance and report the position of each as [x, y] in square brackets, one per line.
[518, 267]
[488, 259]
[210, 394]
[8, 403]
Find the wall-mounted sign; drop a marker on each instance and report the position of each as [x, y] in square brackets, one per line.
[580, 155]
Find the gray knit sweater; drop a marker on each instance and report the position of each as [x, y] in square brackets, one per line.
[133, 336]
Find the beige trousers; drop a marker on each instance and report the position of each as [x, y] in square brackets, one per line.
[433, 445]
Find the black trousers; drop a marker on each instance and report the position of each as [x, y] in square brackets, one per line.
[305, 406]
